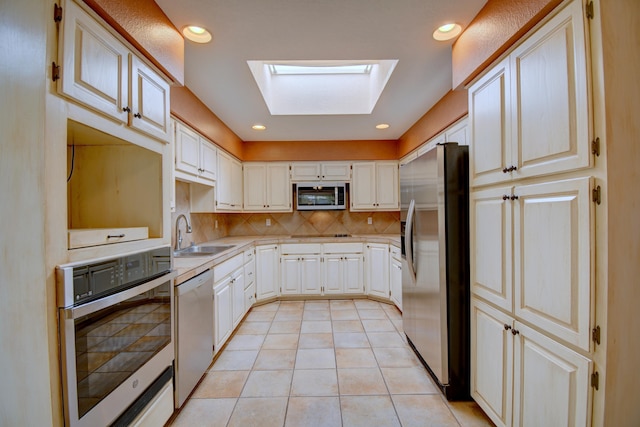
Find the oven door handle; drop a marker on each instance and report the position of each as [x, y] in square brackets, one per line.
[99, 304]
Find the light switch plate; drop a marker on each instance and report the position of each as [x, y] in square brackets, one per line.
[369, 220]
[268, 222]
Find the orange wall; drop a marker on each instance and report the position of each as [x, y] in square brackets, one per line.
[450, 108]
[145, 26]
[320, 150]
[498, 25]
[188, 108]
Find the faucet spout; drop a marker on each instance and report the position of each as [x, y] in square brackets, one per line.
[178, 232]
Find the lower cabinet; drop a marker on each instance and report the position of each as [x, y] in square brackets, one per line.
[237, 296]
[300, 274]
[222, 317]
[267, 272]
[377, 269]
[228, 299]
[343, 273]
[523, 378]
[395, 282]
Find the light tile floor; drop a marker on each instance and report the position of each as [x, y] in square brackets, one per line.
[322, 363]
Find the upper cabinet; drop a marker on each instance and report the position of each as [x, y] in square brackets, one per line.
[229, 188]
[375, 186]
[314, 171]
[101, 72]
[267, 187]
[529, 116]
[196, 158]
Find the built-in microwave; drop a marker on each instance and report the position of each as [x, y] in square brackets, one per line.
[321, 196]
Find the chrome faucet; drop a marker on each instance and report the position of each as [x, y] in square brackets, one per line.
[178, 233]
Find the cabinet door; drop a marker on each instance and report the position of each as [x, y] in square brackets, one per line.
[95, 65]
[255, 186]
[353, 273]
[458, 133]
[227, 184]
[336, 171]
[267, 271]
[550, 105]
[187, 150]
[249, 297]
[377, 264]
[490, 127]
[208, 160]
[310, 274]
[236, 185]
[149, 100]
[552, 257]
[490, 241]
[290, 273]
[551, 382]
[492, 362]
[278, 187]
[395, 279]
[387, 186]
[305, 171]
[333, 275]
[237, 295]
[363, 186]
[223, 322]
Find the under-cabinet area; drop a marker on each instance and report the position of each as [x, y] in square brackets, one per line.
[114, 189]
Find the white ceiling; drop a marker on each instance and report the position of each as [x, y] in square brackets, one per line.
[268, 30]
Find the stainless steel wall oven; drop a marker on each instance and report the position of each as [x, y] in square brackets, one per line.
[115, 324]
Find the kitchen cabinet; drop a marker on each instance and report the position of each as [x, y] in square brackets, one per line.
[395, 276]
[237, 296]
[228, 299]
[377, 269]
[375, 186]
[529, 115]
[300, 269]
[267, 187]
[267, 272]
[101, 72]
[325, 171]
[229, 184]
[343, 270]
[196, 158]
[250, 275]
[459, 132]
[523, 372]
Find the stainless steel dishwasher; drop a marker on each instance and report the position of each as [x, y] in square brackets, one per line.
[194, 327]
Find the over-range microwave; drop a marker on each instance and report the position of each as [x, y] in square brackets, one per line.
[321, 196]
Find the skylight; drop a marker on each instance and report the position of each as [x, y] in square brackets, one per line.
[321, 87]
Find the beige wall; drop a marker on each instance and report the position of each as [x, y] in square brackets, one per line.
[25, 390]
[621, 48]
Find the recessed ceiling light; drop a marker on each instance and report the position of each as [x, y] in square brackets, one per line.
[258, 127]
[382, 126]
[196, 34]
[447, 32]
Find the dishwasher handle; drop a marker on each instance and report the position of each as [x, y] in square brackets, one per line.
[194, 283]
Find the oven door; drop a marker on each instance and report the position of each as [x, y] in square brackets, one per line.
[113, 348]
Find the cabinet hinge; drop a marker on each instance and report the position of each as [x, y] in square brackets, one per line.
[595, 335]
[596, 195]
[595, 147]
[595, 380]
[589, 10]
[57, 13]
[55, 72]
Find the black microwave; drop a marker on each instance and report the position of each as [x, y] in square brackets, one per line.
[321, 196]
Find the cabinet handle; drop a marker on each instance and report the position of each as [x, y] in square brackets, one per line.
[505, 170]
[507, 327]
[115, 236]
[514, 197]
[126, 109]
[137, 115]
[509, 169]
[505, 197]
[515, 332]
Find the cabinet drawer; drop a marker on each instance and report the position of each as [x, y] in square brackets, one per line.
[249, 273]
[220, 271]
[249, 255]
[342, 248]
[300, 248]
[81, 238]
[395, 252]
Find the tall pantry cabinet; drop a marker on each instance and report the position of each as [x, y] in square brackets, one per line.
[533, 180]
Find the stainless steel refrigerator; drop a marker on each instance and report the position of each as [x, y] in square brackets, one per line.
[435, 264]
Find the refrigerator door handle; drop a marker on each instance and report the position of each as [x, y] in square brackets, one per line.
[408, 238]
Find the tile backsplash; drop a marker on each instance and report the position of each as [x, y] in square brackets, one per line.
[306, 223]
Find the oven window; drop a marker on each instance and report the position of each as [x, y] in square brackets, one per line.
[113, 343]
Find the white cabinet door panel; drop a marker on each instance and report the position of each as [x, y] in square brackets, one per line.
[208, 160]
[377, 264]
[187, 150]
[333, 275]
[491, 246]
[353, 265]
[223, 322]
[149, 100]
[552, 257]
[387, 186]
[310, 274]
[363, 188]
[290, 273]
[267, 272]
[278, 187]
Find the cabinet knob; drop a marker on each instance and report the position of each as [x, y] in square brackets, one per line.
[137, 115]
[507, 327]
[126, 109]
[515, 332]
[505, 170]
[505, 197]
[514, 197]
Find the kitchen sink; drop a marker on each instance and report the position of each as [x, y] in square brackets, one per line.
[197, 250]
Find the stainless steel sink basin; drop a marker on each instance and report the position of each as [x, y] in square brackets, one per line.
[198, 250]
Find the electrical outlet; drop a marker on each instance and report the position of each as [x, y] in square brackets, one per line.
[215, 223]
[268, 222]
[369, 220]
